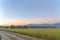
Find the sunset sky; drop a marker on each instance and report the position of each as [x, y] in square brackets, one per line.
[20, 12]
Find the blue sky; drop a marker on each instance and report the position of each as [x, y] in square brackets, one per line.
[21, 9]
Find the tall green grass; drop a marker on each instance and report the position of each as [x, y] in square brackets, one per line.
[0, 38]
[43, 33]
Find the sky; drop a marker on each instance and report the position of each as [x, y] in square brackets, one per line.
[19, 12]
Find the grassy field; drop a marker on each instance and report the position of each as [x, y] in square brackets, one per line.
[0, 38]
[43, 33]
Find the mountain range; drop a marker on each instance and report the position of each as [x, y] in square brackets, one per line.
[44, 25]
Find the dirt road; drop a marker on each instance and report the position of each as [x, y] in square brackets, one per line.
[13, 36]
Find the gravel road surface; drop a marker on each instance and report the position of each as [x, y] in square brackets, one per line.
[14, 36]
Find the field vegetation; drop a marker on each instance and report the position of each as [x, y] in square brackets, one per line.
[43, 33]
[0, 38]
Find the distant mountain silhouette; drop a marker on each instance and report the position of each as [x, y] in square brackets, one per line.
[56, 24]
[44, 25]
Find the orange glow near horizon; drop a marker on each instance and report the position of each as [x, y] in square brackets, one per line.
[13, 23]
[30, 21]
